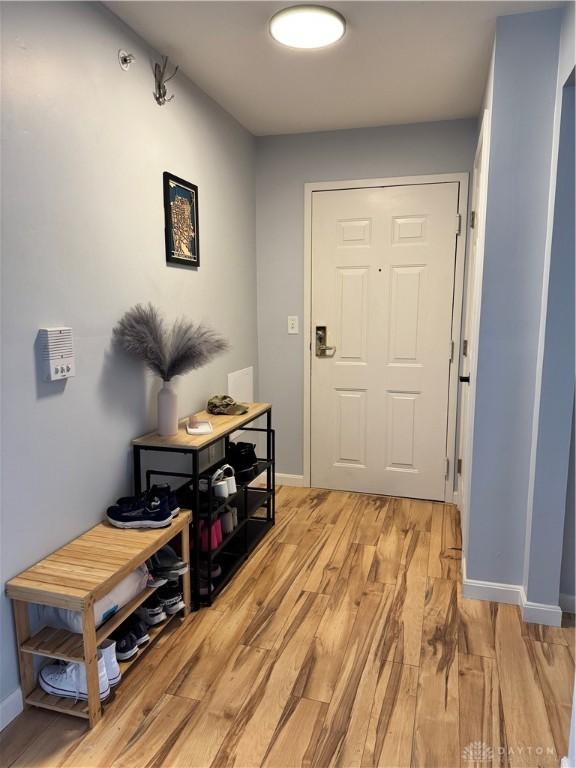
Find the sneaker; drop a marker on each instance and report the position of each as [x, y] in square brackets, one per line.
[242, 457]
[205, 587]
[138, 628]
[163, 491]
[154, 580]
[215, 571]
[144, 514]
[108, 649]
[126, 645]
[171, 597]
[152, 611]
[166, 564]
[227, 520]
[68, 679]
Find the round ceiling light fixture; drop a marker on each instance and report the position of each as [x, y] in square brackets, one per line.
[307, 26]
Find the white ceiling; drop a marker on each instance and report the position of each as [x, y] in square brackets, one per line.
[399, 62]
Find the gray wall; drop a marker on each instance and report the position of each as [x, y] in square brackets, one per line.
[84, 146]
[284, 164]
[551, 448]
[523, 112]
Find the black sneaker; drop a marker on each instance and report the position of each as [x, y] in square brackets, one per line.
[242, 457]
[166, 564]
[126, 645]
[137, 513]
[163, 491]
[171, 597]
[137, 628]
[151, 611]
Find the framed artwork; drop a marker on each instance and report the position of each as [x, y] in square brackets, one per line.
[181, 221]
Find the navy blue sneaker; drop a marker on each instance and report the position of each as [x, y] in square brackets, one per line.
[137, 628]
[126, 645]
[140, 513]
[161, 491]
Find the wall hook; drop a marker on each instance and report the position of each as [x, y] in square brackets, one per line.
[125, 59]
[160, 80]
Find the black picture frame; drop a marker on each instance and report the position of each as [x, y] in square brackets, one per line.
[182, 247]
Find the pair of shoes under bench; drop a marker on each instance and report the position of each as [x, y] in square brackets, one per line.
[129, 636]
[68, 679]
[165, 565]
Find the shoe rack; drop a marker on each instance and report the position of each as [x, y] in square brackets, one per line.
[255, 505]
[75, 577]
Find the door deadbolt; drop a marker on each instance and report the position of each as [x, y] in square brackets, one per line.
[322, 349]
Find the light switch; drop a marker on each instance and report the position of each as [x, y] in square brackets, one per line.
[292, 323]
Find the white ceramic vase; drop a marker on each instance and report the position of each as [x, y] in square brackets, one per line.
[167, 410]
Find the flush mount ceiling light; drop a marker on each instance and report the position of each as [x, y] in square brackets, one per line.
[307, 26]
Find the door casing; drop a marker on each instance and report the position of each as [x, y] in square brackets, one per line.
[309, 189]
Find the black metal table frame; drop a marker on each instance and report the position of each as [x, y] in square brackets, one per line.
[194, 478]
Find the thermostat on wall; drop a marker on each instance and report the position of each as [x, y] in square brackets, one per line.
[57, 353]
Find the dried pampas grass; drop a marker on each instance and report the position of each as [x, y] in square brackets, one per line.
[141, 332]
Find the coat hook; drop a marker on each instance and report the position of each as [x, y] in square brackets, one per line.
[160, 80]
[125, 59]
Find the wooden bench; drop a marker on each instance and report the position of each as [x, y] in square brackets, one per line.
[75, 577]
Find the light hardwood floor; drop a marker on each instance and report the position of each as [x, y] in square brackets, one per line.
[345, 641]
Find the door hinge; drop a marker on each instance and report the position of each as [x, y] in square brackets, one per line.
[465, 348]
[472, 219]
[447, 468]
[459, 466]
[458, 223]
[451, 351]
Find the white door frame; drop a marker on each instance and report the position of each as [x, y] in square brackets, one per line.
[309, 189]
[475, 296]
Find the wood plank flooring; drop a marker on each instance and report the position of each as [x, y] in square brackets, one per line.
[345, 641]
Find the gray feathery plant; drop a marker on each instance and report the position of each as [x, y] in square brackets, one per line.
[141, 332]
[191, 346]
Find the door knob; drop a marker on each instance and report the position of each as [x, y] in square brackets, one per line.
[323, 349]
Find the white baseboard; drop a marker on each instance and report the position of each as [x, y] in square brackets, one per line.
[296, 481]
[532, 613]
[568, 602]
[10, 707]
[540, 613]
[490, 590]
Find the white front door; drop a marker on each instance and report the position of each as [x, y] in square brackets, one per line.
[382, 286]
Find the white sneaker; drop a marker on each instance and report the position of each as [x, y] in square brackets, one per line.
[113, 673]
[69, 679]
[230, 478]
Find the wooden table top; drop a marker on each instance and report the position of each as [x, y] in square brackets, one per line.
[88, 567]
[221, 426]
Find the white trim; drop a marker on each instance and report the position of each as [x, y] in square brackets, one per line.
[10, 707]
[540, 613]
[567, 602]
[294, 481]
[490, 590]
[514, 594]
[483, 146]
[318, 186]
[456, 500]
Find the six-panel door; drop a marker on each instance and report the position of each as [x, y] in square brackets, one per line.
[382, 284]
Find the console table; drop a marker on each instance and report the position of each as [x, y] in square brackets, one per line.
[255, 505]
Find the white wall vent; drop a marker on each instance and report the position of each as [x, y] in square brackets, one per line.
[57, 353]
